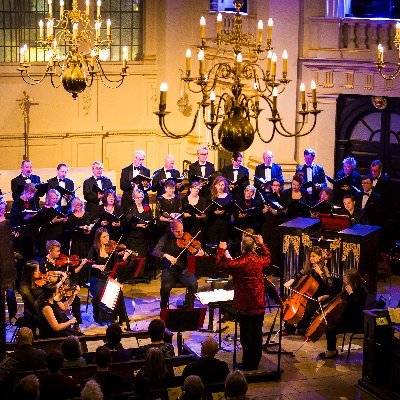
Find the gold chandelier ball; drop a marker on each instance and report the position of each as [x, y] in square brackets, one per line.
[236, 134]
[74, 80]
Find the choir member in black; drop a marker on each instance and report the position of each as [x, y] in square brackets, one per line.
[64, 182]
[168, 207]
[23, 178]
[352, 318]
[128, 173]
[356, 215]
[326, 194]
[30, 292]
[370, 202]
[137, 231]
[194, 221]
[50, 225]
[48, 265]
[312, 173]
[218, 224]
[103, 261]
[250, 216]
[163, 174]
[175, 270]
[315, 267]
[380, 181]
[237, 174]
[349, 165]
[267, 171]
[202, 168]
[21, 217]
[109, 204]
[272, 218]
[92, 198]
[292, 199]
[53, 321]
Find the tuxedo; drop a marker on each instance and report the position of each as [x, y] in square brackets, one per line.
[92, 201]
[318, 177]
[382, 184]
[69, 185]
[195, 169]
[126, 187]
[243, 173]
[18, 183]
[159, 175]
[276, 173]
[373, 207]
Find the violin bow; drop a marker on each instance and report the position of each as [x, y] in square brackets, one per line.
[190, 242]
[109, 257]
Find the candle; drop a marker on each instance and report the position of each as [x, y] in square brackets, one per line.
[93, 55]
[269, 30]
[48, 28]
[273, 66]
[87, 6]
[97, 27]
[124, 56]
[380, 53]
[163, 94]
[74, 31]
[303, 95]
[40, 30]
[188, 57]
[398, 30]
[314, 94]
[61, 9]
[50, 2]
[51, 27]
[108, 28]
[274, 100]
[212, 98]
[256, 90]
[284, 62]
[51, 61]
[202, 28]
[219, 23]
[239, 60]
[269, 58]
[22, 52]
[260, 27]
[98, 8]
[201, 61]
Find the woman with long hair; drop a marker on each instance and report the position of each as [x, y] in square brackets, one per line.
[293, 200]
[218, 227]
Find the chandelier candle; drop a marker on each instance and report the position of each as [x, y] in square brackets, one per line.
[273, 66]
[303, 96]
[260, 27]
[98, 8]
[61, 9]
[201, 61]
[202, 28]
[219, 24]
[188, 57]
[284, 63]
[314, 94]
[163, 96]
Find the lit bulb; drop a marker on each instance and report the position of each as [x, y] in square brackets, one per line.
[313, 85]
[163, 87]
[201, 55]
[219, 17]
[239, 58]
[188, 53]
[212, 95]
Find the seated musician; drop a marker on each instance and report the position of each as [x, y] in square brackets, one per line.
[352, 319]
[103, 259]
[316, 268]
[53, 321]
[49, 264]
[171, 247]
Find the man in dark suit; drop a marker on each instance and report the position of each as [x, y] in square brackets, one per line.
[29, 358]
[64, 182]
[128, 173]
[268, 171]
[380, 181]
[312, 173]
[92, 198]
[370, 202]
[26, 176]
[202, 168]
[162, 174]
[237, 175]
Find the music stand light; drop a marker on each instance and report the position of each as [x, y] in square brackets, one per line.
[183, 319]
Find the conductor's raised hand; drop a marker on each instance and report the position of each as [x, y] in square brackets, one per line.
[259, 239]
[223, 245]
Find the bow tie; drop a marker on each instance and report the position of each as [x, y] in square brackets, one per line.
[61, 180]
[27, 177]
[136, 168]
[366, 194]
[236, 169]
[268, 167]
[309, 166]
[98, 179]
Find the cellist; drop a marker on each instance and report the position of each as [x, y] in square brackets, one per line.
[352, 319]
[316, 268]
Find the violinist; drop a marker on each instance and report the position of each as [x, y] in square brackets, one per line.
[193, 221]
[103, 257]
[53, 321]
[49, 264]
[137, 231]
[352, 319]
[317, 269]
[171, 248]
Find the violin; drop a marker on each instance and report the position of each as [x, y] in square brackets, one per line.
[44, 279]
[188, 242]
[64, 260]
[113, 247]
[66, 291]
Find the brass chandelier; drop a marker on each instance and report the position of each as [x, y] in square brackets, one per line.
[232, 89]
[381, 65]
[74, 50]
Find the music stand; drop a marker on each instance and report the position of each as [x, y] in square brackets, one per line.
[183, 319]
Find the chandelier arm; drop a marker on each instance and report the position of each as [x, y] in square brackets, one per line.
[89, 84]
[297, 133]
[32, 81]
[118, 82]
[270, 138]
[52, 81]
[102, 75]
[389, 77]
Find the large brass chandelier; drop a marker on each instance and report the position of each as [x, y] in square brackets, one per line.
[233, 87]
[74, 49]
[381, 65]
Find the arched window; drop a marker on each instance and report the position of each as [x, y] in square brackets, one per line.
[226, 5]
[19, 24]
[375, 8]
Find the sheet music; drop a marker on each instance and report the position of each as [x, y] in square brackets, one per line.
[214, 296]
[111, 293]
